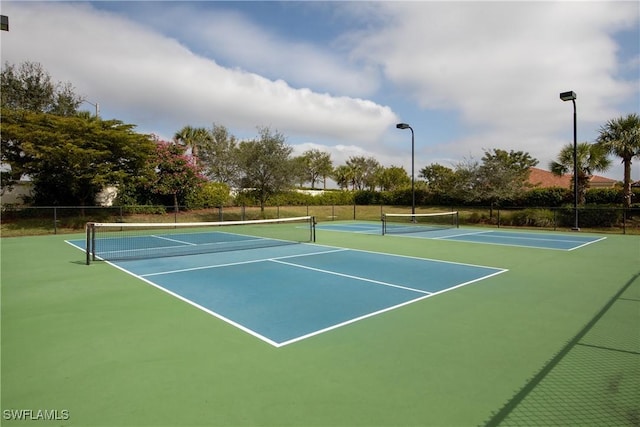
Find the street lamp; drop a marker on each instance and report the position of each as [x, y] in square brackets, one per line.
[413, 188]
[571, 96]
[95, 105]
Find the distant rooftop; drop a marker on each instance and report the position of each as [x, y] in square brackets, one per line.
[544, 179]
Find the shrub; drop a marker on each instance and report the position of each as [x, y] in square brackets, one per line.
[530, 218]
[591, 216]
[604, 196]
[548, 197]
[208, 195]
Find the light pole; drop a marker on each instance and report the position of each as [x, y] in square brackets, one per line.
[96, 105]
[571, 96]
[413, 188]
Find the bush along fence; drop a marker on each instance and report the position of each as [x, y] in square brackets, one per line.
[57, 219]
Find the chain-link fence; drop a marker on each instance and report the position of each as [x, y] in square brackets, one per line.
[63, 219]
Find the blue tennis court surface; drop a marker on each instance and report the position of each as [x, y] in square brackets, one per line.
[288, 293]
[565, 242]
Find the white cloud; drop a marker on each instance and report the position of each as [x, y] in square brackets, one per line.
[159, 84]
[230, 35]
[502, 65]
[496, 67]
[496, 60]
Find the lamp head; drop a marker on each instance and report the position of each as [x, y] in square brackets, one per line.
[402, 126]
[568, 96]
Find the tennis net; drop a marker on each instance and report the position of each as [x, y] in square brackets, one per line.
[119, 241]
[415, 223]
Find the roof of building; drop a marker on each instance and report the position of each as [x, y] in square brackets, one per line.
[544, 179]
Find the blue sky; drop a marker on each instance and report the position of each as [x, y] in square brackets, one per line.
[337, 76]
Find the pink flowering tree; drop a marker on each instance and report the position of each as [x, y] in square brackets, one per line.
[173, 173]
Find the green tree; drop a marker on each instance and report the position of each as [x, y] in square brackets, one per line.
[465, 183]
[194, 139]
[70, 159]
[299, 173]
[590, 158]
[316, 164]
[29, 87]
[503, 175]
[364, 172]
[621, 137]
[440, 179]
[220, 158]
[265, 165]
[172, 173]
[208, 195]
[394, 178]
[343, 176]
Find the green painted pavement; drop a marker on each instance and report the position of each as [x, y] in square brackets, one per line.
[113, 351]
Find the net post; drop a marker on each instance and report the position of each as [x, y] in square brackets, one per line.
[93, 241]
[382, 218]
[313, 228]
[87, 245]
[457, 219]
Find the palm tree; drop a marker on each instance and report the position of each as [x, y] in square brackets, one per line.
[343, 176]
[621, 137]
[194, 138]
[590, 158]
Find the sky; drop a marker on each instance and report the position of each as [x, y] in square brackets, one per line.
[468, 76]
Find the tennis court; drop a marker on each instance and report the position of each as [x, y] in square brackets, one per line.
[331, 287]
[340, 331]
[557, 241]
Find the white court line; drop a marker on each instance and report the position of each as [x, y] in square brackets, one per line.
[350, 321]
[421, 236]
[349, 276]
[463, 234]
[205, 267]
[588, 243]
[414, 257]
[198, 306]
[174, 240]
[384, 310]
[525, 239]
[541, 239]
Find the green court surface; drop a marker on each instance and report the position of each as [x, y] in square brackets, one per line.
[554, 340]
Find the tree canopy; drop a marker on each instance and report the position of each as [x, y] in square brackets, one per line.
[69, 159]
[265, 164]
[172, 173]
[590, 158]
[621, 137]
[29, 87]
[315, 164]
[503, 175]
